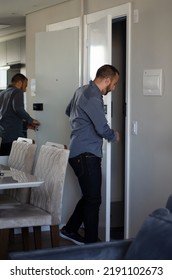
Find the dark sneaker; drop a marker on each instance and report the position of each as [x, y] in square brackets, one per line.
[74, 237]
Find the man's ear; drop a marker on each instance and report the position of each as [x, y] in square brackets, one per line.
[19, 85]
[107, 81]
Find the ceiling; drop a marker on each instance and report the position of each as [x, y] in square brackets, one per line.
[13, 12]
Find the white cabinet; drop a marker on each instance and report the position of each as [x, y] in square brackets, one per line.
[13, 51]
[2, 53]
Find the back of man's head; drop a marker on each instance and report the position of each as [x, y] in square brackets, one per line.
[18, 77]
[106, 71]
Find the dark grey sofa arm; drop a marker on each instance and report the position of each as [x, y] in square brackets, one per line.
[115, 250]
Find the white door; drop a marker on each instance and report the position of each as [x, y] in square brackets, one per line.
[98, 37]
[99, 53]
[57, 78]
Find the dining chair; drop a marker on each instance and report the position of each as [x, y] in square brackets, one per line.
[45, 207]
[23, 139]
[22, 154]
[57, 145]
[22, 158]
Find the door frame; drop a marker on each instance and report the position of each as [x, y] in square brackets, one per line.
[116, 12]
[82, 22]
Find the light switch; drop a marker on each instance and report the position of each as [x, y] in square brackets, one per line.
[152, 82]
[136, 15]
[134, 127]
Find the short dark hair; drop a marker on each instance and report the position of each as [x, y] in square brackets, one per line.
[18, 77]
[106, 71]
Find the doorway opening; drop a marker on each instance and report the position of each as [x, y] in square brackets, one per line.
[118, 123]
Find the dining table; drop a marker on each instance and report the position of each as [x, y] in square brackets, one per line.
[13, 178]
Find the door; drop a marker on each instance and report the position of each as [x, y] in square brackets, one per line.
[57, 78]
[98, 51]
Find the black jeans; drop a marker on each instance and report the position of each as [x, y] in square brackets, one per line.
[87, 168]
[5, 149]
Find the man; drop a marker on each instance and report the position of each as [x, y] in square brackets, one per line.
[89, 127]
[13, 114]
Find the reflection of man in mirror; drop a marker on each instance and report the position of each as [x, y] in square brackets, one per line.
[13, 114]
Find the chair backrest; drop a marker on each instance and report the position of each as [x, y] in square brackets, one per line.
[57, 145]
[51, 167]
[22, 139]
[21, 157]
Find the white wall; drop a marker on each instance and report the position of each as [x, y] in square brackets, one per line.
[151, 149]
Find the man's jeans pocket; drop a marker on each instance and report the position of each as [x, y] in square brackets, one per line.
[77, 165]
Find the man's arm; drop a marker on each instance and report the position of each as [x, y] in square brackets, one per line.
[95, 111]
[18, 107]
